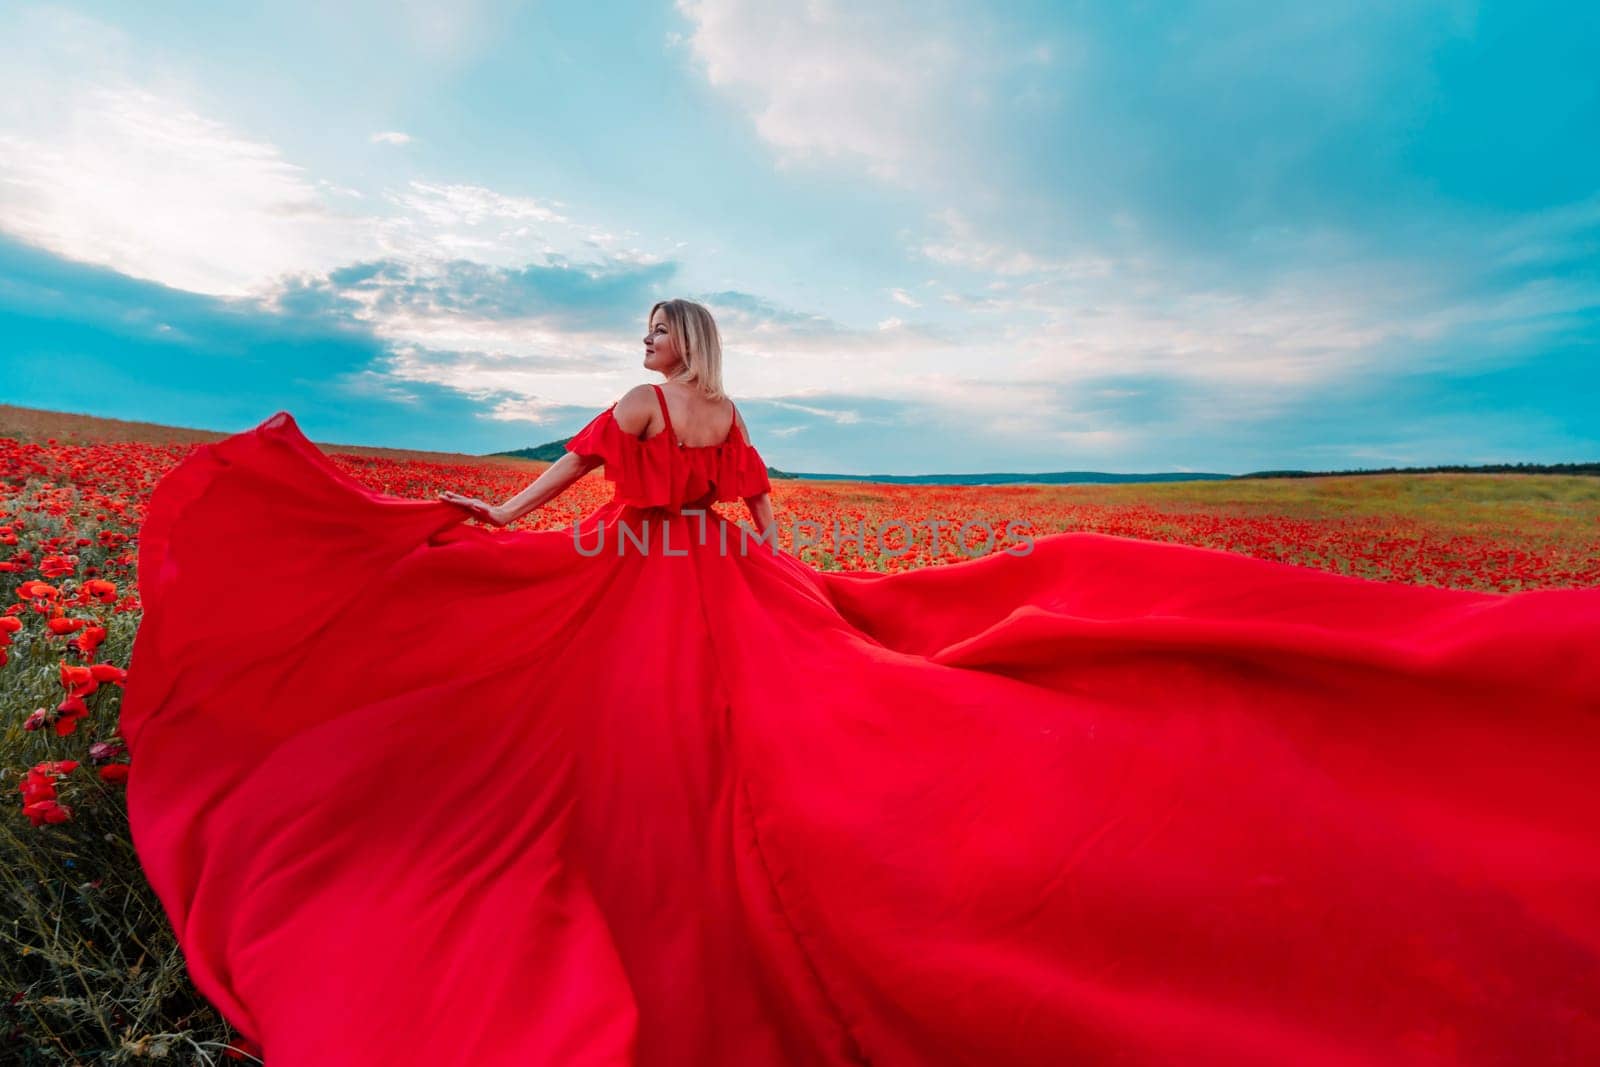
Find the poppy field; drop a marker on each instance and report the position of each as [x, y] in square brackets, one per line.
[89, 967]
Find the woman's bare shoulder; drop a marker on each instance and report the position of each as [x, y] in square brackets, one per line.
[636, 409]
[644, 392]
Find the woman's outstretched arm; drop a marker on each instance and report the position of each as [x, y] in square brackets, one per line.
[551, 483]
[632, 413]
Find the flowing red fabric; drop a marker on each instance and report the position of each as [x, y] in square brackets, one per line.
[415, 791]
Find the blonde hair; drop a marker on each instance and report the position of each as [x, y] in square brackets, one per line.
[695, 332]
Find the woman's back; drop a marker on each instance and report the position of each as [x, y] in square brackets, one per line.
[656, 463]
[696, 420]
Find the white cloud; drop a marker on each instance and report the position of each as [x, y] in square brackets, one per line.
[369, 383]
[962, 245]
[390, 137]
[447, 205]
[522, 388]
[126, 173]
[446, 31]
[1570, 232]
[106, 158]
[842, 417]
[524, 409]
[118, 176]
[862, 82]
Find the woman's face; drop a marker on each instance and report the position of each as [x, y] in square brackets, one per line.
[660, 349]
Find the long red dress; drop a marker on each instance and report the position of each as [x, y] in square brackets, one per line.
[414, 791]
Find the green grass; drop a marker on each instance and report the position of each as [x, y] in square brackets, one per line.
[1552, 503]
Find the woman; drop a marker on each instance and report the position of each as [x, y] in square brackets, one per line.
[682, 343]
[413, 791]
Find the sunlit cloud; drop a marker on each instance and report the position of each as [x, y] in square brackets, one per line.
[861, 83]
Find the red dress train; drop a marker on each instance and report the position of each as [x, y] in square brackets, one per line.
[413, 791]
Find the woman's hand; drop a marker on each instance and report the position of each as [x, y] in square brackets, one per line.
[490, 513]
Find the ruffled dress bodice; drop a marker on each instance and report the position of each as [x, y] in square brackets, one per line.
[661, 472]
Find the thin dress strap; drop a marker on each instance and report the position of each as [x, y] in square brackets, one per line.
[661, 398]
[665, 414]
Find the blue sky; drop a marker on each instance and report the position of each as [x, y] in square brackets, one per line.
[937, 237]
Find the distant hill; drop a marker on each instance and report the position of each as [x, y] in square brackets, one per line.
[545, 453]
[1485, 468]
